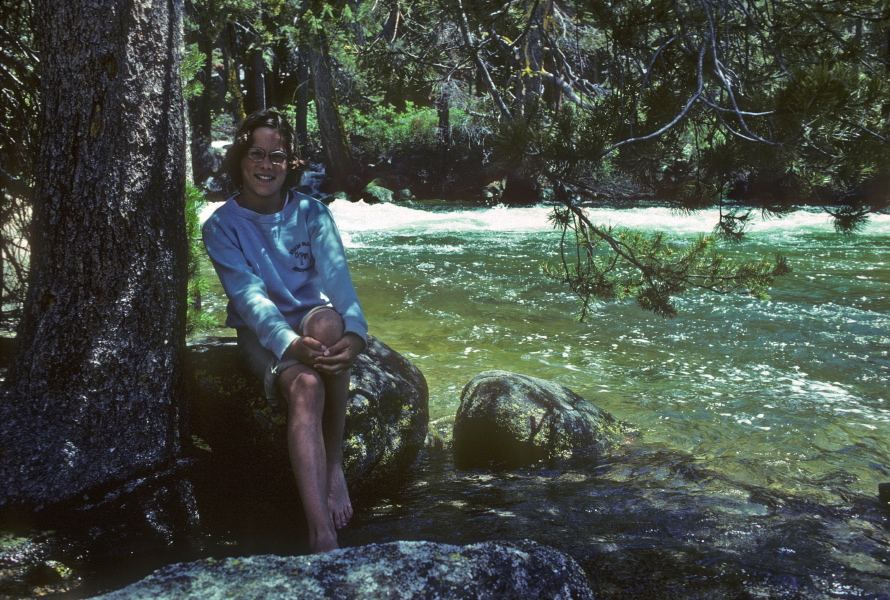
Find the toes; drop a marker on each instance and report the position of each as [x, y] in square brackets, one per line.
[341, 517]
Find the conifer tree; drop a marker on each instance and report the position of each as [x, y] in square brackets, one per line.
[93, 395]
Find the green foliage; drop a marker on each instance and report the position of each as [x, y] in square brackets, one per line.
[222, 127]
[704, 94]
[716, 103]
[198, 286]
[192, 62]
[289, 112]
[389, 131]
[19, 80]
[607, 264]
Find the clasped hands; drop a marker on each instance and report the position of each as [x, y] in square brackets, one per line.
[327, 360]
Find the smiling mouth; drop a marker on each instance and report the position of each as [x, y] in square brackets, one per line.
[264, 177]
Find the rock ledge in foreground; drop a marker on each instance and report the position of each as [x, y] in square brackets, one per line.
[403, 570]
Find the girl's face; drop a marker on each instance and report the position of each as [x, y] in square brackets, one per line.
[263, 180]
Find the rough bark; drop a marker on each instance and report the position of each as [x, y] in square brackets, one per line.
[93, 394]
[257, 80]
[230, 71]
[301, 124]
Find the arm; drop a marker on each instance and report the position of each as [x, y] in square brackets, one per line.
[245, 290]
[334, 271]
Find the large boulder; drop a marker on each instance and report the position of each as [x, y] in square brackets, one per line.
[375, 193]
[509, 420]
[386, 421]
[403, 570]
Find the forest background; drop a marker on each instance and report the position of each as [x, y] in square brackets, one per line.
[748, 105]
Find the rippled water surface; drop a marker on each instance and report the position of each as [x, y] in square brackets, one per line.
[745, 408]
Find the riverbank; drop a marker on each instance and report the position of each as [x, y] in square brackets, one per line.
[761, 449]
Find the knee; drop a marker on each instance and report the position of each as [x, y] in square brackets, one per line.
[326, 326]
[304, 391]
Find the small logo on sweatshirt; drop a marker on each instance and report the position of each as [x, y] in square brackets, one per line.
[302, 253]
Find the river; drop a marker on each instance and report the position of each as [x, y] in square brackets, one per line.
[763, 424]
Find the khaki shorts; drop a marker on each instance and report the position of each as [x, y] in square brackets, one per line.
[263, 363]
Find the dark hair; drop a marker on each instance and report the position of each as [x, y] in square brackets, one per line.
[243, 139]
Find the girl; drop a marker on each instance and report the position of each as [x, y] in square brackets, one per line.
[300, 326]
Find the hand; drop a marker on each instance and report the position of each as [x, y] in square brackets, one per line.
[328, 361]
[339, 357]
[305, 349]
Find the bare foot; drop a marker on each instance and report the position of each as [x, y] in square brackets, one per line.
[338, 497]
[325, 542]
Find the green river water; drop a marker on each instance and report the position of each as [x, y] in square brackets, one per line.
[763, 425]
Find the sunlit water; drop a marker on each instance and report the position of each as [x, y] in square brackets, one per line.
[788, 396]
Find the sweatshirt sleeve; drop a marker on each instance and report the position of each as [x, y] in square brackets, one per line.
[333, 269]
[245, 290]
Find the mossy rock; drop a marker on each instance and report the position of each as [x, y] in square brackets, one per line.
[407, 570]
[507, 420]
[375, 193]
[386, 421]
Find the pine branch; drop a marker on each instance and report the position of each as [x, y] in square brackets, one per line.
[608, 265]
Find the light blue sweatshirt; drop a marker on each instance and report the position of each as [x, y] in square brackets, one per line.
[276, 268]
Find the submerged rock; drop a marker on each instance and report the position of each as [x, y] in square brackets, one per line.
[26, 566]
[509, 420]
[403, 570]
[386, 420]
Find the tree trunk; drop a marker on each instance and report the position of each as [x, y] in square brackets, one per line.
[207, 102]
[531, 85]
[330, 126]
[257, 80]
[443, 135]
[2, 280]
[230, 68]
[301, 124]
[93, 396]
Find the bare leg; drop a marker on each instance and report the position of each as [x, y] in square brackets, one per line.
[336, 394]
[326, 326]
[305, 393]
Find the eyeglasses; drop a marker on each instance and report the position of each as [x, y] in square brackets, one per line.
[258, 154]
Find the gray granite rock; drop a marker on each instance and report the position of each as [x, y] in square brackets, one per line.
[397, 570]
[386, 422]
[510, 420]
